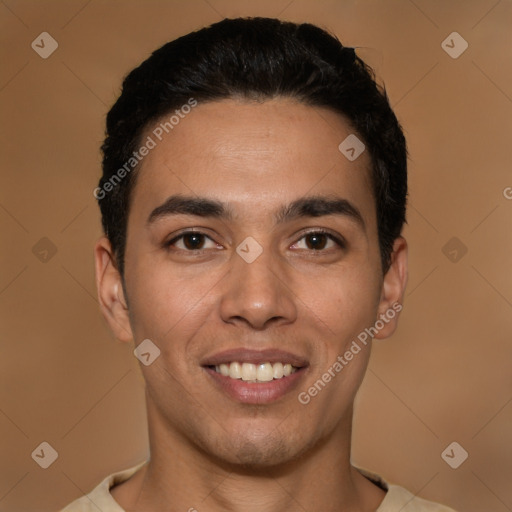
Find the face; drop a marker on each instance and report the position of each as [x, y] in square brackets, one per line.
[252, 245]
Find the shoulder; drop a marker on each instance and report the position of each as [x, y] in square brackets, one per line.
[400, 499]
[100, 497]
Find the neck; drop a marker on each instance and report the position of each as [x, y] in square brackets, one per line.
[182, 477]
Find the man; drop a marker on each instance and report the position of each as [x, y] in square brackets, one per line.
[253, 196]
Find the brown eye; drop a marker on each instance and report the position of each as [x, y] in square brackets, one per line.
[316, 241]
[192, 241]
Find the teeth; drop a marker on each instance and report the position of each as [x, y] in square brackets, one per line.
[264, 372]
[235, 371]
[248, 372]
[278, 370]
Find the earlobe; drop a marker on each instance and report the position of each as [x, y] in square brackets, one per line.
[393, 289]
[111, 297]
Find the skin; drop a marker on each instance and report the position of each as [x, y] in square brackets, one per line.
[209, 451]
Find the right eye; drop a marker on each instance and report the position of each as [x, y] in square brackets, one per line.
[190, 241]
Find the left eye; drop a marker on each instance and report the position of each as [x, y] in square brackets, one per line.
[317, 241]
[192, 241]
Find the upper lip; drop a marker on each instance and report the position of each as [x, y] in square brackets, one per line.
[243, 355]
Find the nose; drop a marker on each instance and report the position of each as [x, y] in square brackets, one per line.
[257, 293]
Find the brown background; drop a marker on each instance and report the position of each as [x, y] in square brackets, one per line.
[445, 376]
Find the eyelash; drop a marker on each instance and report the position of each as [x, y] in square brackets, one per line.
[337, 240]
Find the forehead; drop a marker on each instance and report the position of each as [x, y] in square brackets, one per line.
[253, 155]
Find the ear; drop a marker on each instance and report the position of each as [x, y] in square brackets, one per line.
[109, 284]
[393, 288]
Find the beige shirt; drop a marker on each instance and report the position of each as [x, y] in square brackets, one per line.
[397, 498]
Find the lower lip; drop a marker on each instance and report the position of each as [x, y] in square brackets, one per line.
[257, 392]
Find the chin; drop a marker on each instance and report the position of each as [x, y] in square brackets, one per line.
[261, 452]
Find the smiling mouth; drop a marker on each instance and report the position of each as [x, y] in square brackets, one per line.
[254, 373]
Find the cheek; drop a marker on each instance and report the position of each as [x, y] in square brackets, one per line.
[165, 300]
[345, 301]
[342, 312]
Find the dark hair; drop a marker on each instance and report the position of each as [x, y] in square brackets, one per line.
[255, 58]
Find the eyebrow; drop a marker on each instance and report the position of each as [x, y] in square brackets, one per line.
[311, 206]
[189, 205]
[319, 206]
